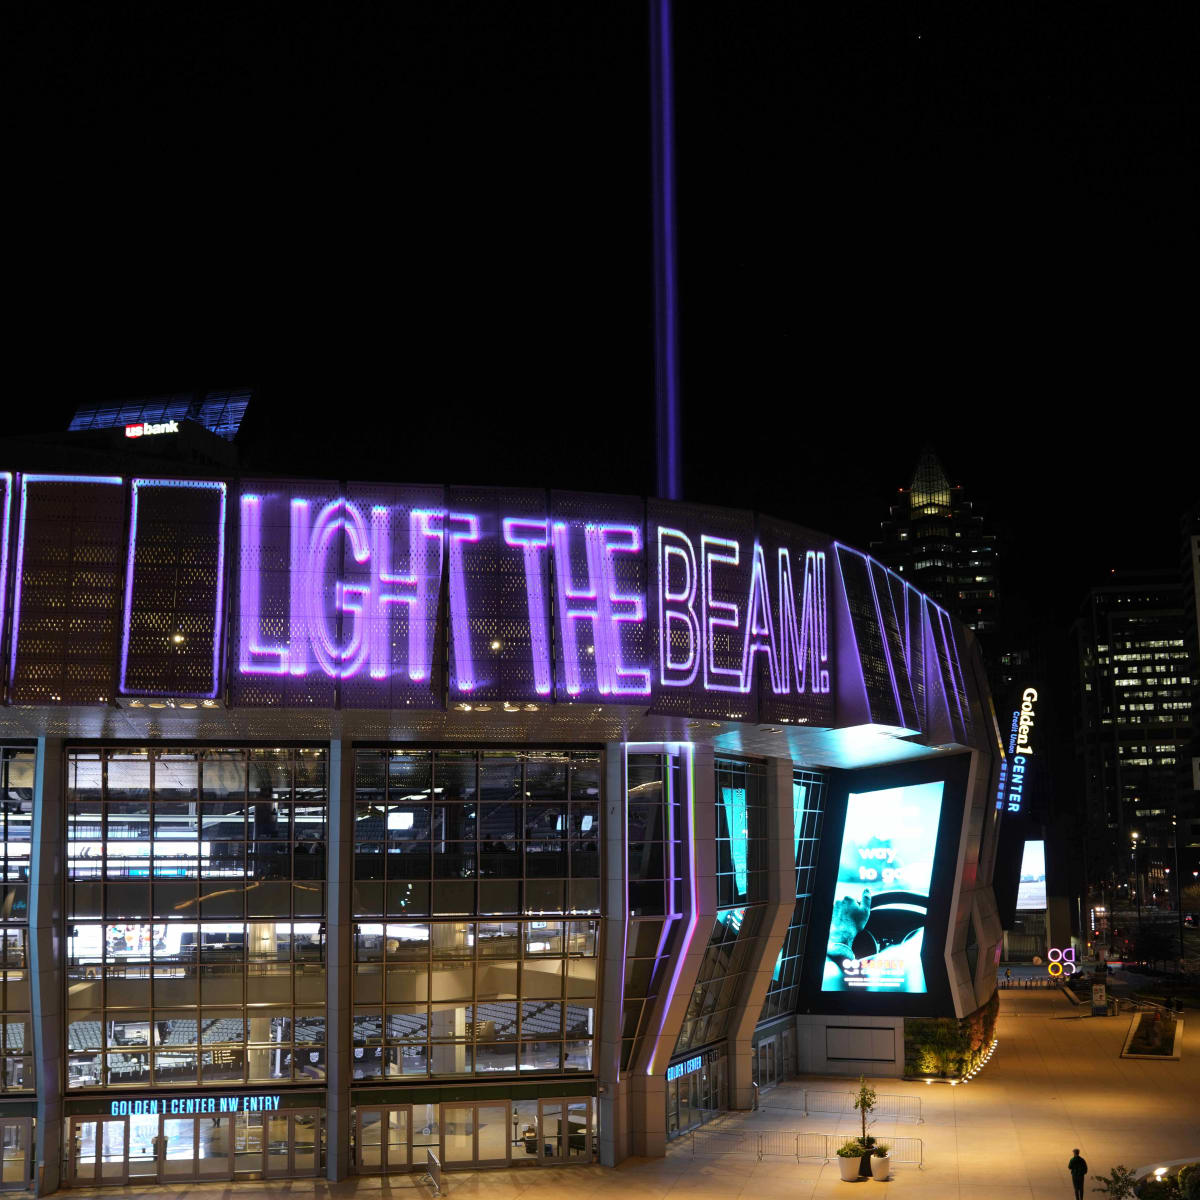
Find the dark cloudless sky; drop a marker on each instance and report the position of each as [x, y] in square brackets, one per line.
[422, 231]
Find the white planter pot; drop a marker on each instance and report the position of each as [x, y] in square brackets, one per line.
[881, 1168]
[849, 1167]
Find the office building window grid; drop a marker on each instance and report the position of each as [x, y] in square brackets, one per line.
[466, 833]
[195, 897]
[808, 803]
[16, 1031]
[466, 998]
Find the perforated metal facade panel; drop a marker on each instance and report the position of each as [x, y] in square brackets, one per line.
[864, 620]
[797, 567]
[271, 659]
[69, 570]
[493, 655]
[600, 644]
[174, 589]
[397, 588]
[699, 668]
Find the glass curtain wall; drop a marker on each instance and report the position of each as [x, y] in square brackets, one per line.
[195, 916]
[476, 899]
[741, 896]
[16, 1031]
[808, 803]
[654, 838]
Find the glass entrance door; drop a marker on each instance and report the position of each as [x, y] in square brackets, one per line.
[16, 1139]
[144, 1146]
[383, 1140]
[768, 1075]
[565, 1131]
[99, 1148]
[476, 1135]
[291, 1143]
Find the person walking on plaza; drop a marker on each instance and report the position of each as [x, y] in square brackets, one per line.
[1078, 1168]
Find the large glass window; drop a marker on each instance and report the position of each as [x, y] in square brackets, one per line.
[195, 904]
[715, 996]
[479, 998]
[741, 833]
[16, 824]
[808, 802]
[654, 842]
[463, 832]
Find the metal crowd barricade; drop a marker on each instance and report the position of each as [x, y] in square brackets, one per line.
[776, 1142]
[717, 1143]
[781, 1143]
[812, 1145]
[906, 1150]
[433, 1171]
[894, 1108]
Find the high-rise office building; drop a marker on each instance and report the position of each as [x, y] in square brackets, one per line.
[1133, 724]
[935, 538]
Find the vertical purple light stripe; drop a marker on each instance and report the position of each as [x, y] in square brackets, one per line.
[218, 628]
[666, 309]
[8, 491]
[688, 752]
[883, 641]
[625, 877]
[20, 563]
[137, 484]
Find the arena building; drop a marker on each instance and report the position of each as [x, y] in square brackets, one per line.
[349, 821]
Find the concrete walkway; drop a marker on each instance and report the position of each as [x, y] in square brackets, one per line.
[1054, 1082]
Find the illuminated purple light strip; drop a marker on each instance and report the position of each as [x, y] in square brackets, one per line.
[8, 490]
[760, 626]
[250, 651]
[710, 553]
[687, 749]
[461, 528]
[599, 603]
[669, 610]
[533, 536]
[118, 480]
[204, 485]
[666, 324]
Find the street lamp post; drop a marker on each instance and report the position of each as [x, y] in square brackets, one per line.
[1178, 883]
[1137, 883]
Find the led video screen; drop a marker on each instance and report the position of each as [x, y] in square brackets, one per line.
[882, 889]
[1031, 893]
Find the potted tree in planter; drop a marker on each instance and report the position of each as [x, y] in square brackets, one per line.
[849, 1159]
[864, 1101]
[881, 1165]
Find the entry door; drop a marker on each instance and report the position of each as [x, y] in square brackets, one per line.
[767, 1076]
[476, 1135]
[99, 1150]
[383, 1140]
[195, 1148]
[16, 1139]
[291, 1143]
[565, 1131]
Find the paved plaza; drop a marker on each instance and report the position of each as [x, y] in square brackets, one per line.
[1055, 1082]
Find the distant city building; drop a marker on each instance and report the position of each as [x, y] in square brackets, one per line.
[1133, 725]
[934, 537]
[1189, 767]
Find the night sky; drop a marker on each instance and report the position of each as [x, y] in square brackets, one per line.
[422, 233]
